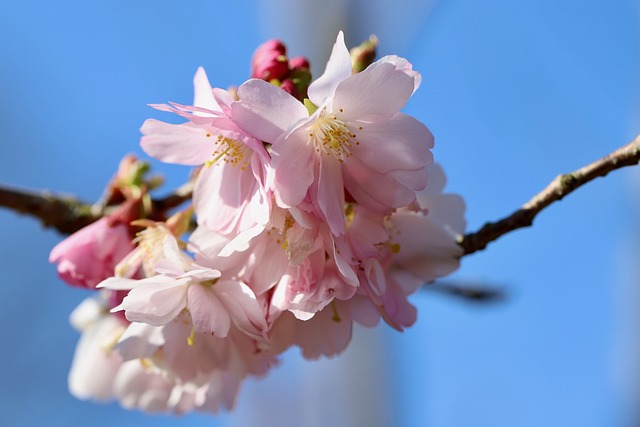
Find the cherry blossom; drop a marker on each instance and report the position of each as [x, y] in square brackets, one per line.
[354, 136]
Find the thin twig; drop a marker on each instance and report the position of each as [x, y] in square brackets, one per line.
[470, 292]
[562, 185]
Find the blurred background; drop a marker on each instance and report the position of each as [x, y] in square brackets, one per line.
[515, 93]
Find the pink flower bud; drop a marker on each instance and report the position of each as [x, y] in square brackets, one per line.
[289, 87]
[90, 255]
[269, 61]
[299, 62]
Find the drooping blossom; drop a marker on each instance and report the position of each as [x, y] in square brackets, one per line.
[90, 255]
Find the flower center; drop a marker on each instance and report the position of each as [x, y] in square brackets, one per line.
[330, 135]
[230, 151]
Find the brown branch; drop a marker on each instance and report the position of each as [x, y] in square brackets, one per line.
[175, 199]
[66, 214]
[562, 185]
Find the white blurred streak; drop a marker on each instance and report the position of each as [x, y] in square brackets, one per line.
[309, 27]
[352, 389]
[627, 356]
[356, 388]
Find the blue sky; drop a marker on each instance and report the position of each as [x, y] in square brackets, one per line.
[515, 93]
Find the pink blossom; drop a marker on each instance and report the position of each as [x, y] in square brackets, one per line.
[214, 303]
[229, 194]
[356, 139]
[90, 255]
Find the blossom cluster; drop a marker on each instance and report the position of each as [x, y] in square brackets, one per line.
[316, 205]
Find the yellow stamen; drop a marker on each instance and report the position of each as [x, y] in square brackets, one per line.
[191, 338]
[331, 136]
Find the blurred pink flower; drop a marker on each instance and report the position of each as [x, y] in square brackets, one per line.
[90, 255]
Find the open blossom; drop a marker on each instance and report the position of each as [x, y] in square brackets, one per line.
[214, 303]
[356, 139]
[229, 190]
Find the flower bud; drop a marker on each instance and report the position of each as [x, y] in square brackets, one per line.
[269, 61]
[362, 56]
[90, 255]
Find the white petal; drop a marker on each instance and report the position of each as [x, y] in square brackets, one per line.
[266, 111]
[184, 144]
[338, 68]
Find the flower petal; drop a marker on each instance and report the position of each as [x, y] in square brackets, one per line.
[266, 111]
[184, 144]
[338, 68]
[203, 93]
[331, 194]
[373, 94]
[400, 143]
[207, 312]
[156, 302]
[292, 161]
[243, 307]
[388, 191]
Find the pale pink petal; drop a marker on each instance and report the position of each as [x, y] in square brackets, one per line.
[240, 302]
[184, 144]
[426, 250]
[203, 95]
[266, 111]
[436, 183]
[208, 314]
[326, 334]
[293, 163]
[118, 283]
[346, 270]
[373, 94]
[363, 311]
[400, 64]
[221, 196]
[156, 302]
[375, 276]
[93, 369]
[338, 68]
[366, 231]
[412, 179]
[447, 212]
[400, 143]
[139, 340]
[331, 194]
[387, 191]
[242, 241]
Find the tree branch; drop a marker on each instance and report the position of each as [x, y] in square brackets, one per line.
[562, 185]
[66, 214]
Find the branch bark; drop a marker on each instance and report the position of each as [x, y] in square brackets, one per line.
[561, 186]
[68, 214]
